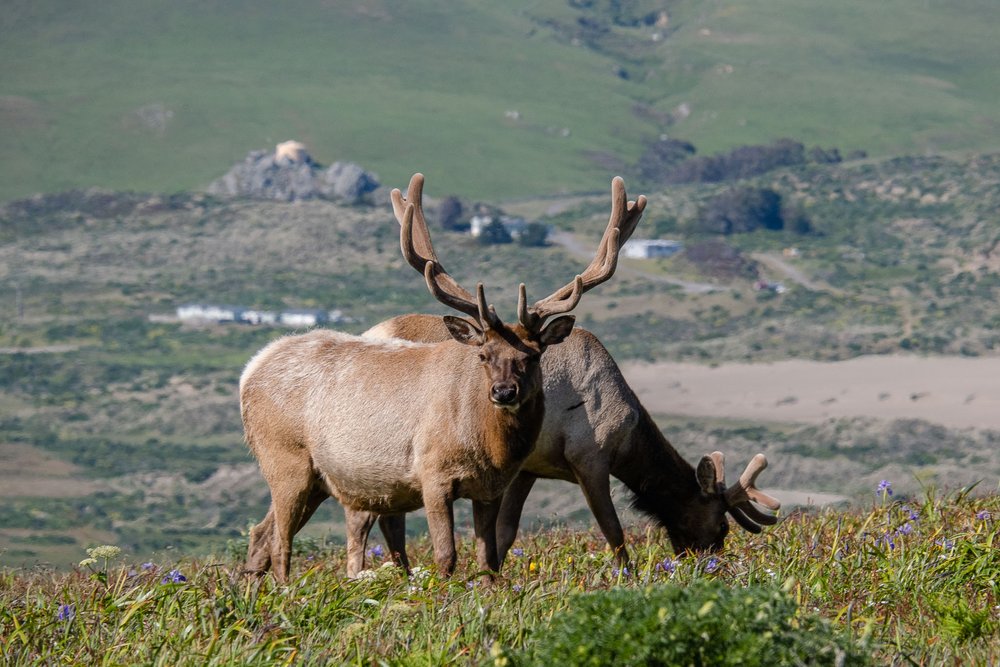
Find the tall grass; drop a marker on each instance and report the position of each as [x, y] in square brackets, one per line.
[909, 581]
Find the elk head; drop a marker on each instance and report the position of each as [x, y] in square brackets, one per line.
[509, 353]
[704, 525]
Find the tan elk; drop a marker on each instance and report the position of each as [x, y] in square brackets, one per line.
[387, 427]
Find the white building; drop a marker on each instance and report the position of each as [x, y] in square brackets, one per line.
[651, 248]
[304, 317]
[207, 312]
[514, 226]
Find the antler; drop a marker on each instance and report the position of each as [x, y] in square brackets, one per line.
[625, 216]
[415, 242]
[739, 495]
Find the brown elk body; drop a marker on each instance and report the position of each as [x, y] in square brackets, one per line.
[386, 427]
[595, 427]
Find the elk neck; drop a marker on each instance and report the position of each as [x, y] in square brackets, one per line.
[661, 481]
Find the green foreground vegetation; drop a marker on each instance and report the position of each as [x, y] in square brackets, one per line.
[901, 581]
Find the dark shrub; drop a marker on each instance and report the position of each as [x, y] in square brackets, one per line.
[704, 623]
[743, 210]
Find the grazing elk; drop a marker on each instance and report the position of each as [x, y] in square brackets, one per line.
[386, 427]
[595, 427]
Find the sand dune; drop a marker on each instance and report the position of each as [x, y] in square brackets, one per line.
[957, 392]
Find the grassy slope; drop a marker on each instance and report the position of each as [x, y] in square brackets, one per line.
[424, 85]
[911, 581]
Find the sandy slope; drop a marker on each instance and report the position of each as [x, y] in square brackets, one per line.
[954, 391]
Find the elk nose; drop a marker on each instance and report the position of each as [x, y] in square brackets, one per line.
[504, 393]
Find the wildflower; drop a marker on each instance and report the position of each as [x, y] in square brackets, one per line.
[532, 566]
[667, 566]
[87, 562]
[886, 540]
[105, 551]
[517, 551]
[905, 529]
[173, 577]
[66, 612]
[376, 551]
[470, 585]
[911, 514]
[622, 572]
[516, 588]
[366, 575]
[945, 544]
[983, 515]
[884, 488]
[147, 566]
[712, 564]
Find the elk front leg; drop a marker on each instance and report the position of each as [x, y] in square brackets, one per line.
[441, 525]
[484, 520]
[596, 486]
[511, 506]
[393, 527]
[359, 524]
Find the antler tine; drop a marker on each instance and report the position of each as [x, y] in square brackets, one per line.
[719, 463]
[414, 197]
[745, 489]
[441, 285]
[624, 217]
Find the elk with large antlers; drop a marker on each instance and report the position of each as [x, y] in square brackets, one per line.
[386, 427]
[595, 427]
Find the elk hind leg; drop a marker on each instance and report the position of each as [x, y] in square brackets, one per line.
[292, 481]
[259, 549]
[393, 527]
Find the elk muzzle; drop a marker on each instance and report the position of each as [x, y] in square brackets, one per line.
[504, 394]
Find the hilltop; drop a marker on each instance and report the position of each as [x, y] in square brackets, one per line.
[495, 100]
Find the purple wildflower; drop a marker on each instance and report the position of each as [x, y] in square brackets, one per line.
[516, 588]
[712, 564]
[376, 551]
[470, 584]
[905, 529]
[884, 488]
[946, 544]
[983, 515]
[887, 541]
[147, 566]
[66, 612]
[911, 514]
[622, 572]
[667, 566]
[173, 577]
[517, 551]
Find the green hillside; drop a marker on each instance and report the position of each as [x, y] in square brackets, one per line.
[162, 97]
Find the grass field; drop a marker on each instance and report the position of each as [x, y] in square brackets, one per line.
[162, 97]
[899, 581]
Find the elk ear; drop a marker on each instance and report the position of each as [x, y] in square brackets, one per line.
[463, 330]
[706, 475]
[557, 330]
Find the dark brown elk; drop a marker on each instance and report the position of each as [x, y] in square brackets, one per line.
[387, 427]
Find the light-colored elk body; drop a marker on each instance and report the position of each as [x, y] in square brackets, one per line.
[595, 427]
[389, 426]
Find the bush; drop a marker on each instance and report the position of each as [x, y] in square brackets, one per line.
[743, 210]
[494, 233]
[535, 235]
[704, 623]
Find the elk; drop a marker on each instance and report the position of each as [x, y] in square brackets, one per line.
[389, 426]
[595, 427]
